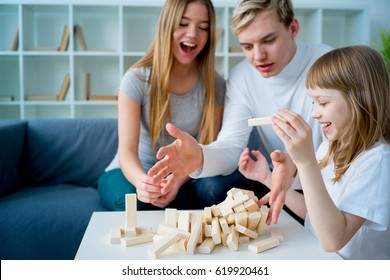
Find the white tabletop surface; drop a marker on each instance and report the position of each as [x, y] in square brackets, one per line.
[298, 243]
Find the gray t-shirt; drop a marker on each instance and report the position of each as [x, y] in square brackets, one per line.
[186, 111]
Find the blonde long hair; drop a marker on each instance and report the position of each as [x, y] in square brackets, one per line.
[359, 74]
[159, 57]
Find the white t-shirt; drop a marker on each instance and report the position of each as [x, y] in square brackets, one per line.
[250, 95]
[364, 191]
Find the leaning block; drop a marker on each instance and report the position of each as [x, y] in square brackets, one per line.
[192, 242]
[208, 230]
[264, 244]
[241, 219]
[131, 210]
[246, 231]
[232, 239]
[164, 229]
[216, 231]
[115, 236]
[208, 214]
[207, 246]
[226, 210]
[239, 208]
[253, 220]
[180, 245]
[215, 211]
[162, 245]
[196, 217]
[243, 239]
[224, 225]
[263, 219]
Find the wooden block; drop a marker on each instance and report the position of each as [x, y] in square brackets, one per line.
[251, 205]
[224, 225]
[253, 220]
[162, 245]
[180, 245]
[139, 239]
[216, 231]
[196, 217]
[243, 239]
[231, 218]
[275, 232]
[264, 244]
[171, 216]
[115, 236]
[164, 229]
[208, 230]
[241, 218]
[64, 87]
[207, 246]
[215, 211]
[130, 232]
[192, 242]
[263, 219]
[226, 210]
[184, 220]
[239, 208]
[260, 121]
[131, 210]
[232, 239]
[208, 214]
[246, 231]
[238, 201]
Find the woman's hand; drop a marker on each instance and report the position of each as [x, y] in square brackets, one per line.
[257, 170]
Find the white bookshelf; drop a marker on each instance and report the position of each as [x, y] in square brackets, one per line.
[117, 33]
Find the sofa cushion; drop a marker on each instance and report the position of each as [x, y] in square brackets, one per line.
[46, 222]
[12, 133]
[74, 151]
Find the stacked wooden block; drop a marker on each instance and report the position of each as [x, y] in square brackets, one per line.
[238, 219]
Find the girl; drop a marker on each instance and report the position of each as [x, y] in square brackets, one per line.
[174, 81]
[346, 184]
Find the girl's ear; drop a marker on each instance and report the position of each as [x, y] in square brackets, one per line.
[294, 27]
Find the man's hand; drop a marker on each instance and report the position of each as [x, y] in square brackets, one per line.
[282, 178]
[179, 159]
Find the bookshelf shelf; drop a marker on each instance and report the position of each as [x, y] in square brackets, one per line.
[104, 38]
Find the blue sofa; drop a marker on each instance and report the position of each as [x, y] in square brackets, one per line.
[48, 175]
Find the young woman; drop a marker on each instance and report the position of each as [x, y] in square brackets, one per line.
[174, 81]
[346, 184]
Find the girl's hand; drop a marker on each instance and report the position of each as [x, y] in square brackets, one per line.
[296, 135]
[168, 192]
[257, 170]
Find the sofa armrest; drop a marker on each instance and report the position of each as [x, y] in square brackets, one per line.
[12, 135]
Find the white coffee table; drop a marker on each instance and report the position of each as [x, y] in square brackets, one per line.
[298, 243]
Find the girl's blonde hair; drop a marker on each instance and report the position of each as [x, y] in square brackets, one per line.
[246, 11]
[359, 74]
[160, 57]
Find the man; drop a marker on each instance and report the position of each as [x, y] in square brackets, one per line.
[272, 77]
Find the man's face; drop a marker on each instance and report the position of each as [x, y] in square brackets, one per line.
[268, 44]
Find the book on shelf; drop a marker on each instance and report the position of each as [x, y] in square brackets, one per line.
[80, 36]
[64, 87]
[44, 49]
[15, 40]
[64, 39]
[86, 85]
[41, 97]
[103, 97]
[7, 98]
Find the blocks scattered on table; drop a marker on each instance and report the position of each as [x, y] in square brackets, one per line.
[236, 220]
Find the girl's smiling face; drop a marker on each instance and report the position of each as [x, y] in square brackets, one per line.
[192, 35]
[331, 110]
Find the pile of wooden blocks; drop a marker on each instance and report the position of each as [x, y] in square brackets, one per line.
[238, 219]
